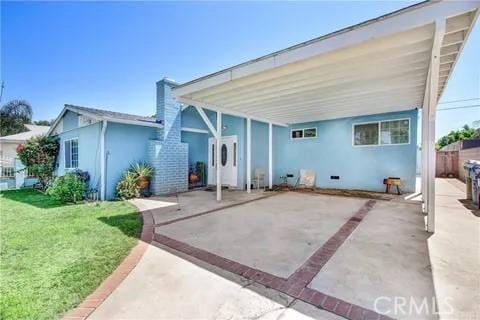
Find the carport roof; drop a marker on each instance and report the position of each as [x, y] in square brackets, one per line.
[380, 65]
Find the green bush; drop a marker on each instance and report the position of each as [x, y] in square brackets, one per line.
[127, 187]
[38, 154]
[68, 188]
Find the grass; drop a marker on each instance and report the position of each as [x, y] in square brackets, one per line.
[54, 255]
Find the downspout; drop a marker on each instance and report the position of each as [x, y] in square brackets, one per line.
[102, 160]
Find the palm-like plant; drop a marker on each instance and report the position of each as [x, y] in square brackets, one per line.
[141, 170]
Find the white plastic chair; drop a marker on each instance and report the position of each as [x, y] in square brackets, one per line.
[259, 175]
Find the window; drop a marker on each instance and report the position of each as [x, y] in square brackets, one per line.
[234, 154]
[366, 134]
[388, 132]
[213, 154]
[395, 132]
[310, 133]
[224, 154]
[297, 134]
[306, 133]
[71, 153]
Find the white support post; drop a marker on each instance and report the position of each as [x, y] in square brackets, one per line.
[203, 115]
[249, 155]
[102, 160]
[270, 156]
[430, 113]
[424, 145]
[218, 140]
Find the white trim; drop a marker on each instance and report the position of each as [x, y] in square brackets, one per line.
[57, 120]
[98, 118]
[303, 133]
[249, 155]
[65, 155]
[78, 128]
[134, 122]
[380, 144]
[102, 160]
[199, 104]
[218, 138]
[270, 156]
[215, 131]
[454, 63]
[188, 129]
[408, 18]
[440, 26]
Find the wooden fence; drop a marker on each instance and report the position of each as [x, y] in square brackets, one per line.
[450, 163]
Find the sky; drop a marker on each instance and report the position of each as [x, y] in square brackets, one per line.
[110, 54]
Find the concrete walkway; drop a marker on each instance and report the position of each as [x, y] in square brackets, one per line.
[168, 286]
[455, 253]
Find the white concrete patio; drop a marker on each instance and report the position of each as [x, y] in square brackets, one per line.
[385, 256]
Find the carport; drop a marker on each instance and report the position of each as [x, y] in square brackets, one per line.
[395, 62]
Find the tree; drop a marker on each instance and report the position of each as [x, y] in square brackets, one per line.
[39, 154]
[465, 133]
[13, 117]
[43, 122]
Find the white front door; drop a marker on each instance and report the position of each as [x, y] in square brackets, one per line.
[228, 161]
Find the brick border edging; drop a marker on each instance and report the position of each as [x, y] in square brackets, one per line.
[95, 299]
[296, 285]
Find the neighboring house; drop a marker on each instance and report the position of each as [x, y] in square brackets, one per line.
[12, 174]
[8, 144]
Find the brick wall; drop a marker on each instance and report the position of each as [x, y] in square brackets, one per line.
[168, 154]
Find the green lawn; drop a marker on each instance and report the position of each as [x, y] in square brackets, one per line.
[54, 255]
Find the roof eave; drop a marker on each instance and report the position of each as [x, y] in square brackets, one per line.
[404, 19]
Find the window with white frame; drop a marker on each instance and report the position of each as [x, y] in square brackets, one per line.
[395, 131]
[71, 153]
[304, 133]
[389, 132]
[365, 134]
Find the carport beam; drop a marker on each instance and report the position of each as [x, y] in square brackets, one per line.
[270, 156]
[218, 141]
[249, 155]
[430, 113]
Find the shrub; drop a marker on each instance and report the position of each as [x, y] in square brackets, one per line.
[82, 175]
[68, 188]
[141, 169]
[39, 154]
[127, 186]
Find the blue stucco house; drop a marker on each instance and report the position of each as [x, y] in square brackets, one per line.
[343, 105]
[349, 153]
